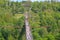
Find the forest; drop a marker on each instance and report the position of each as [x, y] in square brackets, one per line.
[44, 20]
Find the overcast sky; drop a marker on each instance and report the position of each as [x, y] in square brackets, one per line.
[31, 0]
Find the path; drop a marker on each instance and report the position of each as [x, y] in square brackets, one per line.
[28, 31]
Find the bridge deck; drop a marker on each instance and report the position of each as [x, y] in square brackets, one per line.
[28, 31]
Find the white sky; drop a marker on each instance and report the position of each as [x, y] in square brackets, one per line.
[31, 0]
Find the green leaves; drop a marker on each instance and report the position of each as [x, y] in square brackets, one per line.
[44, 19]
[49, 20]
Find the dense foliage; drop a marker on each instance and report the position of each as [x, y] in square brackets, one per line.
[44, 19]
[11, 21]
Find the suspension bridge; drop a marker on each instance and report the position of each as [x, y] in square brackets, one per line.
[28, 30]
